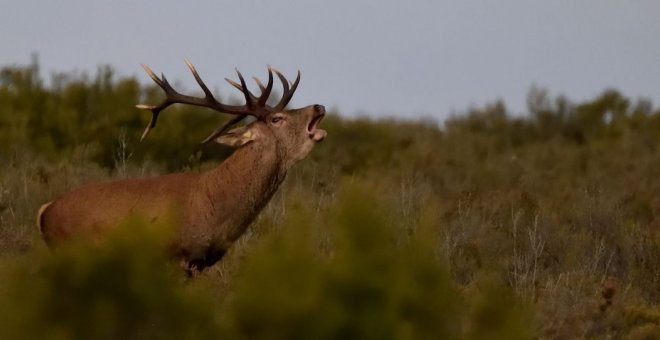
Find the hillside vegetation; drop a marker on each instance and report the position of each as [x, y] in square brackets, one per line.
[486, 225]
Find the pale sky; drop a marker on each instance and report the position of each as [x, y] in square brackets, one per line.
[381, 57]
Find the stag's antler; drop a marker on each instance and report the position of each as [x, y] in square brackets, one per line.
[254, 106]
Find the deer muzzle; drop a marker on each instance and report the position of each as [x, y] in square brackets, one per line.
[315, 133]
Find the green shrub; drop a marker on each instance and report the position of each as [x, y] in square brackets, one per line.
[120, 289]
[371, 286]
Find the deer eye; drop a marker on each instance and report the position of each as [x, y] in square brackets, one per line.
[275, 119]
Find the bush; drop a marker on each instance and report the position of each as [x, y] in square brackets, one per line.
[370, 286]
[121, 289]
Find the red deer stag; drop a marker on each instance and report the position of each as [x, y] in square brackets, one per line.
[209, 210]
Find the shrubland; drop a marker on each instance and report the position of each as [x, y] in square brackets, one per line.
[487, 225]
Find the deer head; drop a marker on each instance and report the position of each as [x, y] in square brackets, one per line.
[293, 132]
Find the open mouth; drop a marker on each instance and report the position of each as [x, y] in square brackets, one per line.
[315, 133]
[315, 121]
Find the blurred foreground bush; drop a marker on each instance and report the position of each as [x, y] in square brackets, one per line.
[121, 289]
[370, 285]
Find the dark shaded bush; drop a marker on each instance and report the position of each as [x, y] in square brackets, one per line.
[121, 289]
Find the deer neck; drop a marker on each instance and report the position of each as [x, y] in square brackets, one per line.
[242, 185]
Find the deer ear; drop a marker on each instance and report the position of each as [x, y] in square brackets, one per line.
[237, 137]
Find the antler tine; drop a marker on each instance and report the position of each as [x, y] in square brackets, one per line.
[285, 83]
[234, 84]
[265, 93]
[155, 110]
[287, 93]
[249, 97]
[152, 121]
[261, 86]
[294, 87]
[253, 98]
[199, 80]
[152, 75]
